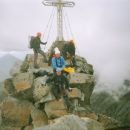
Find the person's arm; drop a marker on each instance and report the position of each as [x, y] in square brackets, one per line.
[63, 62]
[43, 43]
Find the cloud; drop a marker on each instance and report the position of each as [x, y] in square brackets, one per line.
[101, 29]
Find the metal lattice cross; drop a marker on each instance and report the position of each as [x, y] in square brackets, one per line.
[59, 4]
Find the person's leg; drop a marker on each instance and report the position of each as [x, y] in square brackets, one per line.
[74, 61]
[35, 57]
[67, 100]
[68, 103]
[43, 54]
[55, 91]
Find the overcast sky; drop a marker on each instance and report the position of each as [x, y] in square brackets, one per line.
[101, 29]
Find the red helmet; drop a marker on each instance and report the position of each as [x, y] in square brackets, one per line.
[39, 33]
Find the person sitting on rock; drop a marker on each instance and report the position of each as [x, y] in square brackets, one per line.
[58, 61]
[60, 87]
[37, 49]
[69, 52]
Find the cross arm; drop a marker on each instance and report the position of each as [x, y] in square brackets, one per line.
[49, 3]
[55, 3]
[68, 4]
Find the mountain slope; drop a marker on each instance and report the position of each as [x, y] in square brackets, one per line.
[118, 108]
[6, 63]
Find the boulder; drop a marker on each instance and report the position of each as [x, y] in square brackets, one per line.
[9, 128]
[87, 90]
[83, 66]
[15, 113]
[9, 87]
[80, 78]
[92, 115]
[29, 62]
[23, 81]
[85, 83]
[72, 122]
[40, 89]
[25, 65]
[41, 63]
[29, 127]
[39, 118]
[49, 97]
[92, 124]
[75, 93]
[55, 109]
[108, 122]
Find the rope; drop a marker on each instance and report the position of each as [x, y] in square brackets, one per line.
[52, 12]
[71, 32]
[51, 23]
[69, 24]
[67, 32]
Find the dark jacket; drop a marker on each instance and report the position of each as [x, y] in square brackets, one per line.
[36, 43]
[69, 48]
[59, 81]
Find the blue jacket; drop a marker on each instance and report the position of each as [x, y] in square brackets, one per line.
[58, 63]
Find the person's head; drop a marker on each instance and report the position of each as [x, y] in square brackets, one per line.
[71, 42]
[39, 34]
[57, 53]
[58, 72]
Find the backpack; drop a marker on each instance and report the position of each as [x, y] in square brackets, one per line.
[31, 40]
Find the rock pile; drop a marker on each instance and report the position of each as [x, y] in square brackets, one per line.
[30, 102]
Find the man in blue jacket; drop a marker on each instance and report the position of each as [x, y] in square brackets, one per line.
[58, 62]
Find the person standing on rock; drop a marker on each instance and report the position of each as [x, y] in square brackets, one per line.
[69, 52]
[58, 62]
[60, 87]
[35, 45]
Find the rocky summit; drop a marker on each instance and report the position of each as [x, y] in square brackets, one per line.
[29, 103]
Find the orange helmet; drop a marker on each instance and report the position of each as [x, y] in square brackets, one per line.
[71, 41]
[39, 33]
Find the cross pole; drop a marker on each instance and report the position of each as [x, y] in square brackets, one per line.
[59, 4]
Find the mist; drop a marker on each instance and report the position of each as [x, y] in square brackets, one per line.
[101, 31]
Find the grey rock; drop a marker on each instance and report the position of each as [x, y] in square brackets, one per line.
[39, 118]
[40, 89]
[55, 109]
[23, 81]
[15, 113]
[72, 122]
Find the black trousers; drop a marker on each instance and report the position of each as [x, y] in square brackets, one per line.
[59, 91]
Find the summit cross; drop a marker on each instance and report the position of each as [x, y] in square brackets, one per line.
[59, 4]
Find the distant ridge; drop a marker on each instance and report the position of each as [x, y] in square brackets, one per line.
[6, 63]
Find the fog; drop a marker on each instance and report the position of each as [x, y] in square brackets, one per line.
[101, 30]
